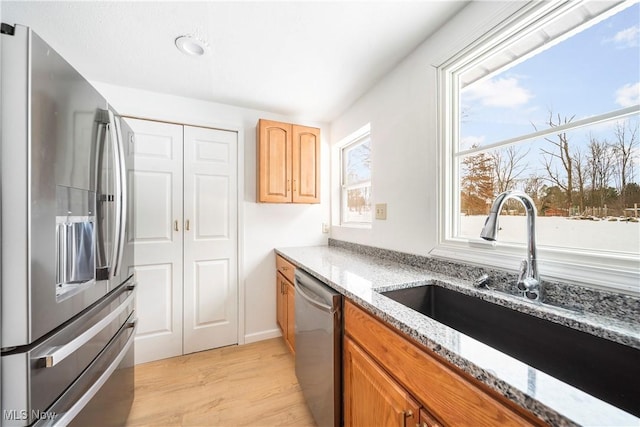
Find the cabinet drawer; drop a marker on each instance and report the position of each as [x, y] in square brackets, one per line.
[286, 268]
[446, 391]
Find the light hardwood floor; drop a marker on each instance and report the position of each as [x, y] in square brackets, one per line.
[249, 385]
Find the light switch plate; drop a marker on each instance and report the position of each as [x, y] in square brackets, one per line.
[381, 211]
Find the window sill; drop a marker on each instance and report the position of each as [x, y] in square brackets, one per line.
[359, 225]
[613, 272]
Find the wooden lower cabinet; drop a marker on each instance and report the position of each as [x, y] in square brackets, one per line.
[281, 302]
[285, 301]
[386, 375]
[372, 397]
[285, 309]
[427, 420]
[290, 334]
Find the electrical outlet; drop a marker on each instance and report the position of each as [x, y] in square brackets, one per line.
[381, 211]
[325, 228]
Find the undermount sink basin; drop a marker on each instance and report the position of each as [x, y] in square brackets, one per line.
[602, 368]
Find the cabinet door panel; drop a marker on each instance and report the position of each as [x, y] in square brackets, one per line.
[306, 164]
[371, 396]
[274, 161]
[291, 313]
[281, 303]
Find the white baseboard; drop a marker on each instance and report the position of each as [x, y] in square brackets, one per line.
[262, 335]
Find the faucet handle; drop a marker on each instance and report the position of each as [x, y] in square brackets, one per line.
[522, 274]
[482, 281]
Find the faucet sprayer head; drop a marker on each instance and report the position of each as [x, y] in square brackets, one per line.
[490, 229]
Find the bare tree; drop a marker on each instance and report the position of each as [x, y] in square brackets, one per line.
[534, 187]
[581, 167]
[626, 141]
[600, 162]
[562, 153]
[508, 167]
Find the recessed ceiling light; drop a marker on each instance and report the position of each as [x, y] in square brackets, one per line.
[191, 45]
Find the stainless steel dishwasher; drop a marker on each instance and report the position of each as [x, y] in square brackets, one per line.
[318, 347]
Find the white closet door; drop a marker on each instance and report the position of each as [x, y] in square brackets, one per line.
[210, 239]
[155, 198]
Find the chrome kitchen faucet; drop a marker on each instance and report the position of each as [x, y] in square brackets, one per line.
[528, 278]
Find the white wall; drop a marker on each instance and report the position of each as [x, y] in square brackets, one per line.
[403, 112]
[265, 226]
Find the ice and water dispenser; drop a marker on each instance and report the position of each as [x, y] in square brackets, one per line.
[76, 239]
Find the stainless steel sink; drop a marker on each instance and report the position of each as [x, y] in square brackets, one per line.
[602, 368]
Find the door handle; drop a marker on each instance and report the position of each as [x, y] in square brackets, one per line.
[62, 352]
[175, 225]
[324, 307]
[70, 414]
[186, 226]
[120, 192]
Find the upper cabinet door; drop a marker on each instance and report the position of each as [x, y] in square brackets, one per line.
[274, 161]
[306, 164]
[288, 163]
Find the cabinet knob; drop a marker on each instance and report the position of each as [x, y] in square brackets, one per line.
[405, 415]
[175, 225]
[186, 226]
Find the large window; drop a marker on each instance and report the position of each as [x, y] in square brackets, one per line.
[356, 181]
[550, 105]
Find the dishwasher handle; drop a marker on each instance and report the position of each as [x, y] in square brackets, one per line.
[323, 307]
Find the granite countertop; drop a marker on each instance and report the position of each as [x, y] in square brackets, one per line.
[361, 276]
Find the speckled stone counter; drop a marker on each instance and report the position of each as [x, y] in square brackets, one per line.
[361, 273]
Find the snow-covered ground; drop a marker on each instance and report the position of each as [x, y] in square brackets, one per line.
[619, 236]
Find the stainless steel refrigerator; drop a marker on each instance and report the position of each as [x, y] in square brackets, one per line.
[67, 313]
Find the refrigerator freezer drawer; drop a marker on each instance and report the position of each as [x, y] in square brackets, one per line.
[104, 392]
[33, 379]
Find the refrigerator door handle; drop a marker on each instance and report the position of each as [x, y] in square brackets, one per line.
[101, 250]
[120, 194]
[124, 195]
[62, 352]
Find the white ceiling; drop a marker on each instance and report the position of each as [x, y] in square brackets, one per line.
[298, 58]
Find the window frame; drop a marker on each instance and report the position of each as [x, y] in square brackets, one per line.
[352, 141]
[605, 270]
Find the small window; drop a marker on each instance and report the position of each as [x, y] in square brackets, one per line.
[356, 181]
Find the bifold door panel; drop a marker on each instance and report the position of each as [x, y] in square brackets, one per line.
[185, 198]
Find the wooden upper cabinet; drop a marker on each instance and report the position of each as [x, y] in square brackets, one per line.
[288, 163]
[306, 164]
[274, 161]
